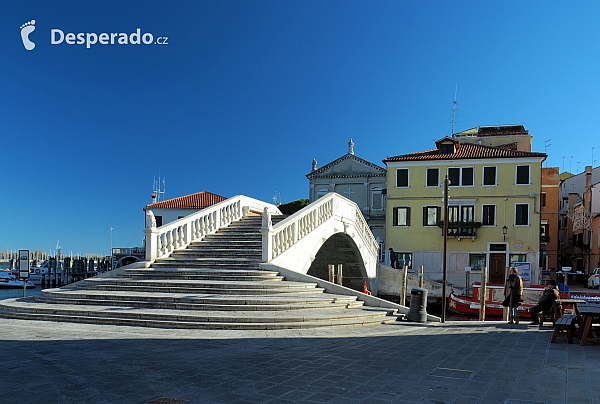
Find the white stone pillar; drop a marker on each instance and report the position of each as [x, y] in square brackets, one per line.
[267, 236]
[151, 243]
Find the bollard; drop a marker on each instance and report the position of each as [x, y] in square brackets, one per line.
[482, 294]
[331, 268]
[404, 283]
[339, 275]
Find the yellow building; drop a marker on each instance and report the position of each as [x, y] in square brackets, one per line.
[494, 209]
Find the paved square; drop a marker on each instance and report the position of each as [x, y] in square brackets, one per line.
[456, 362]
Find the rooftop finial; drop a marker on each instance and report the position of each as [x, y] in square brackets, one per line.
[350, 147]
[314, 164]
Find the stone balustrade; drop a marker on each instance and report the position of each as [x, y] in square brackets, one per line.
[162, 241]
[342, 214]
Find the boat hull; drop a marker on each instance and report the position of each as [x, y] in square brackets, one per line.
[464, 305]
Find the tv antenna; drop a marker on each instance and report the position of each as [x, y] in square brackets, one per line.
[454, 108]
[158, 189]
[546, 145]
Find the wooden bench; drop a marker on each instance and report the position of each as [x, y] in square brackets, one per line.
[553, 314]
[564, 327]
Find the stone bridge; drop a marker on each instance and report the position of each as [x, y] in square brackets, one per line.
[331, 230]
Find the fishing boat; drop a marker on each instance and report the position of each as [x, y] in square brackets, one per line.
[8, 280]
[460, 304]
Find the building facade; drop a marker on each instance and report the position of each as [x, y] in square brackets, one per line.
[579, 209]
[358, 180]
[549, 204]
[493, 216]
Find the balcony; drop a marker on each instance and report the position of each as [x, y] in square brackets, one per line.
[461, 229]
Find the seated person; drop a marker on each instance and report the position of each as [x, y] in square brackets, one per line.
[549, 296]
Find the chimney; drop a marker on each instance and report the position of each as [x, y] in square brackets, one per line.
[588, 177]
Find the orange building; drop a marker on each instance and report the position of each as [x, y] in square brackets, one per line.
[549, 203]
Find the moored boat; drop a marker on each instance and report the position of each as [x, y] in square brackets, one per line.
[494, 297]
[8, 280]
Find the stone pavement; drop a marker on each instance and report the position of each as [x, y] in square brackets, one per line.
[456, 362]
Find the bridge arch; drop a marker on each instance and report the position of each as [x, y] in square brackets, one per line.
[340, 248]
[307, 241]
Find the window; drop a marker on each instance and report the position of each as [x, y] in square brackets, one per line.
[489, 175]
[477, 261]
[522, 214]
[454, 176]
[544, 231]
[467, 213]
[517, 258]
[447, 148]
[467, 177]
[453, 212]
[463, 213]
[158, 220]
[523, 175]
[433, 177]
[322, 192]
[377, 198]
[542, 199]
[489, 215]
[405, 259]
[402, 178]
[431, 215]
[402, 216]
[461, 176]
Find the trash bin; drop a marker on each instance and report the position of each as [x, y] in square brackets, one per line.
[418, 305]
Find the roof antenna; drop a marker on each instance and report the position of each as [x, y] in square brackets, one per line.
[454, 109]
[158, 190]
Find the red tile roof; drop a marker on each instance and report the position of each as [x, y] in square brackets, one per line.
[199, 200]
[465, 151]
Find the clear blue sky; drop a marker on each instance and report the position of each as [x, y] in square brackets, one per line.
[246, 93]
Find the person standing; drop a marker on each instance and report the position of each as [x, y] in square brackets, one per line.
[513, 292]
[546, 302]
[393, 258]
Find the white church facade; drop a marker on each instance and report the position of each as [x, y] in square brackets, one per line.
[358, 180]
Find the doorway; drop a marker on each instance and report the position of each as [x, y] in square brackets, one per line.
[497, 268]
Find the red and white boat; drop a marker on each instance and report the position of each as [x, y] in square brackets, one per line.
[494, 298]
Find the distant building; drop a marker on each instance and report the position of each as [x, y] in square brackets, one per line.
[176, 208]
[513, 137]
[549, 232]
[358, 180]
[579, 223]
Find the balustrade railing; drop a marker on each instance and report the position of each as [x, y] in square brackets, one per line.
[290, 231]
[162, 241]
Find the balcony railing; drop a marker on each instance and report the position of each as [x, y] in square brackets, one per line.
[461, 229]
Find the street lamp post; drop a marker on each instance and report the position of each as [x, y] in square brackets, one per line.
[445, 263]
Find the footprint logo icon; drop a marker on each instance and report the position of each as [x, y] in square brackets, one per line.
[27, 29]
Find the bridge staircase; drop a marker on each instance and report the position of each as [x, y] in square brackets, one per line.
[214, 283]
